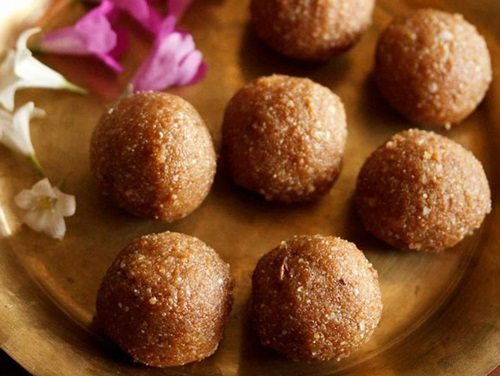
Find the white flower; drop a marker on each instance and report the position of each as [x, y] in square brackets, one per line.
[15, 131]
[46, 207]
[15, 128]
[20, 69]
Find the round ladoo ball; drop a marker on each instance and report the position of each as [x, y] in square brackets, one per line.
[165, 300]
[311, 30]
[433, 67]
[315, 298]
[422, 191]
[153, 156]
[284, 138]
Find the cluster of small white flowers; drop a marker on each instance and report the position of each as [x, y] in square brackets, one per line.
[45, 206]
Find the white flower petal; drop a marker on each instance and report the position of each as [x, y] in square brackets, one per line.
[66, 204]
[32, 71]
[9, 82]
[56, 227]
[36, 74]
[36, 219]
[19, 138]
[7, 96]
[5, 121]
[44, 189]
[15, 130]
[38, 113]
[7, 66]
[26, 200]
[14, 141]
[5, 118]
[47, 207]
[22, 40]
[20, 69]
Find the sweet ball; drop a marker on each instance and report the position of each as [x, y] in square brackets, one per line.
[153, 156]
[311, 30]
[284, 138]
[433, 67]
[165, 300]
[315, 298]
[422, 191]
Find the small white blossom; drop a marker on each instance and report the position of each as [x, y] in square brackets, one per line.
[46, 206]
[15, 128]
[20, 70]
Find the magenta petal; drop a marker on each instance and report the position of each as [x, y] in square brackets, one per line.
[200, 71]
[178, 44]
[113, 13]
[142, 11]
[65, 41]
[92, 35]
[174, 60]
[177, 8]
[154, 21]
[122, 42]
[189, 67]
[160, 68]
[138, 9]
[111, 62]
[200, 74]
[166, 28]
[106, 8]
[97, 32]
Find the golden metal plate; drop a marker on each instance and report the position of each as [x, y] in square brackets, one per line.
[441, 311]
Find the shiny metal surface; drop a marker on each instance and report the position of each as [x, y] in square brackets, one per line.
[441, 311]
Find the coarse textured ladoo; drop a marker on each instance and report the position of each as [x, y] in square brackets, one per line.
[311, 30]
[153, 156]
[433, 67]
[165, 300]
[315, 298]
[284, 138]
[422, 191]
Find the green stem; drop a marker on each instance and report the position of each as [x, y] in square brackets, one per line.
[36, 165]
[60, 183]
[75, 88]
[37, 49]
[129, 90]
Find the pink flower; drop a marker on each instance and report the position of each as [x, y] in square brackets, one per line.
[177, 8]
[142, 11]
[174, 60]
[91, 35]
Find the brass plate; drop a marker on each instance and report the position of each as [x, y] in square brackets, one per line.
[442, 311]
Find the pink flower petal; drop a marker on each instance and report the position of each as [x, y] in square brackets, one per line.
[200, 74]
[96, 29]
[174, 60]
[110, 62]
[142, 11]
[177, 8]
[160, 68]
[64, 41]
[91, 35]
[122, 42]
[137, 8]
[191, 68]
[167, 26]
